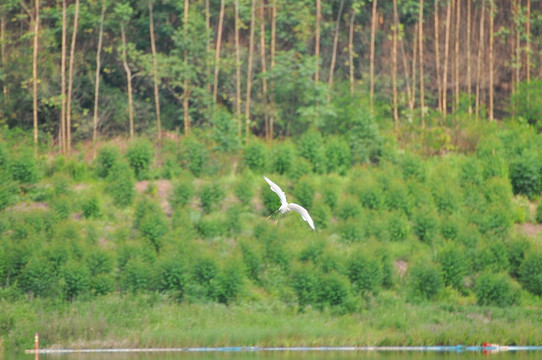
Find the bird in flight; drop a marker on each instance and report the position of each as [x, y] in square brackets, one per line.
[285, 206]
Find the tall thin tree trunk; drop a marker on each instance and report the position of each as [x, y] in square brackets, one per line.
[491, 57]
[317, 42]
[414, 58]
[469, 73]
[128, 80]
[446, 56]
[437, 56]
[334, 53]
[405, 68]
[155, 74]
[264, 69]
[394, 65]
[70, 79]
[208, 49]
[237, 71]
[351, 51]
[62, 140]
[372, 57]
[517, 63]
[217, 51]
[479, 61]
[528, 40]
[186, 90]
[249, 69]
[98, 68]
[35, 75]
[420, 40]
[273, 48]
[457, 24]
[3, 49]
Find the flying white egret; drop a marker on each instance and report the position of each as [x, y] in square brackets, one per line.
[285, 206]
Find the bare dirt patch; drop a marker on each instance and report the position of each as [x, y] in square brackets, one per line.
[401, 267]
[530, 229]
[163, 189]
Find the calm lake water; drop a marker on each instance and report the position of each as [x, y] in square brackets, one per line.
[362, 355]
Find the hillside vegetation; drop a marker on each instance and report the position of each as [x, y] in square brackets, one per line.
[429, 240]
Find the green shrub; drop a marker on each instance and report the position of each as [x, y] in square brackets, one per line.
[371, 196]
[304, 192]
[211, 226]
[492, 257]
[527, 103]
[150, 220]
[331, 290]
[62, 207]
[76, 279]
[205, 272]
[230, 282]
[425, 281]
[38, 278]
[120, 184]
[454, 264]
[183, 190]
[76, 168]
[365, 273]
[61, 185]
[282, 157]
[449, 227]
[530, 273]
[140, 154]
[108, 157]
[224, 130]
[137, 276]
[495, 221]
[194, 155]
[538, 215]
[8, 190]
[3, 157]
[495, 289]
[91, 206]
[211, 196]
[304, 285]
[337, 155]
[102, 284]
[470, 172]
[413, 167]
[300, 167]
[348, 207]
[526, 175]
[311, 147]
[99, 262]
[255, 156]
[398, 226]
[251, 259]
[320, 214]
[24, 169]
[397, 197]
[330, 191]
[351, 231]
[172, 276]
[517, 248]
[243, 188]
[366, 143]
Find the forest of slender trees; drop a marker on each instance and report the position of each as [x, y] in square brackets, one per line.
[76, 70]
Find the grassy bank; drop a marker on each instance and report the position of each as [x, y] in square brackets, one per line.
[153, 321]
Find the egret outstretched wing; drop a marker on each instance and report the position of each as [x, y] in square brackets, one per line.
[303, 212]
[278, 191]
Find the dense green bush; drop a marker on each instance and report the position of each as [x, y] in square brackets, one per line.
[271, 201]
[351, 231]
[194, 155]
[251, 259]
[337, 155]
[108, 157]
[538, 215]
[77, 280]
[8, 190]
[348, 207]
[454, 264]
[120, 184]
[304, 191]
[527, 104]
[255, 156]
[61, 184]
[172, 276]
[365, 273]
[150, 220]
[211, 196]
[366, 143]
[412, 167]
[311, 146]
[320, 214]
[425, 281]
[62, 207]
[517, 248]
[211, 226]
[495, 289]
[371, 195]
[137, 276]
[140, 154]
[244, 189]
[205, 272]
[530, 273]
[24, 169]
[526, 175]
[304, 285]
[224, 130]
[38, 278]
[398, 226]
[91, 206]
[331, 290]
[230, 282]
[282, 157]
[492, 257]
[183, 190]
